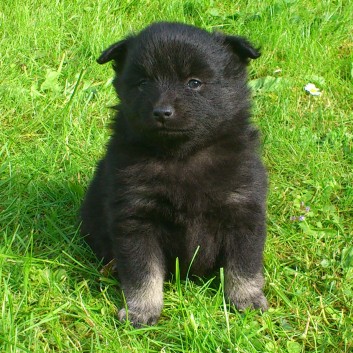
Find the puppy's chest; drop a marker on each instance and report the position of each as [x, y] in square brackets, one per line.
[170, 190]
[182, 204]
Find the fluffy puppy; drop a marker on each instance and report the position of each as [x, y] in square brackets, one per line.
[181, 169]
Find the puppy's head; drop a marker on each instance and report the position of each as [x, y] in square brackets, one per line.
[179, 82]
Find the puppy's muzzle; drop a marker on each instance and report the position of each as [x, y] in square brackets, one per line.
[163, 113]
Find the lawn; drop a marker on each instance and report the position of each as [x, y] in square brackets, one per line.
[54, 122]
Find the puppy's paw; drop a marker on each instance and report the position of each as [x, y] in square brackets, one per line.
[246, 292]
[139, 317]
[254, 299]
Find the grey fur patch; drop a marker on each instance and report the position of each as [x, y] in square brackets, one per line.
[238, 197]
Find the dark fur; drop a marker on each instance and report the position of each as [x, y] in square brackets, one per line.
[181, 168]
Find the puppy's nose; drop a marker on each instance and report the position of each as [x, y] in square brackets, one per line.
[162, 114]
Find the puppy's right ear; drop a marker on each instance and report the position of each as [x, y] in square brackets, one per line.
[116, 52]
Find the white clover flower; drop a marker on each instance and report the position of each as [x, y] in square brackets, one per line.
[312, 89]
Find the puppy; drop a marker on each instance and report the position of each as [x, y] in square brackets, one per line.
[181, 170]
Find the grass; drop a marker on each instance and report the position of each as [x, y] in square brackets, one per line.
[53, 118]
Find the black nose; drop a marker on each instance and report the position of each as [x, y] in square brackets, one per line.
[163, 113]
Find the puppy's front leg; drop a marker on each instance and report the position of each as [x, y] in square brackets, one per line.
[140, 265]
[243, 268]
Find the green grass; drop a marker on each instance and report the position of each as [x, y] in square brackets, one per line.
[54, 113]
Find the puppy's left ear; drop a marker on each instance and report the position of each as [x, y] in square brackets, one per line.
[242, 47]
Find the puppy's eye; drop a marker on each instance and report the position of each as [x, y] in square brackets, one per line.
[194, 84]
[142, 84]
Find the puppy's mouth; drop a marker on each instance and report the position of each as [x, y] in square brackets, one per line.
[172, 130]
[169, 128]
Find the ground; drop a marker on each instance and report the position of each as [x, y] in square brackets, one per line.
[54, 118]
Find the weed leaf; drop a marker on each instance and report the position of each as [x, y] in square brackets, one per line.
[267, 84]
[51, 81]
[293, 347]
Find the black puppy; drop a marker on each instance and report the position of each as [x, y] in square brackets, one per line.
[181, 169]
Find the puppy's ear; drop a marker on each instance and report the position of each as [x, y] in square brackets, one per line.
[116, 52]
[242, 47]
